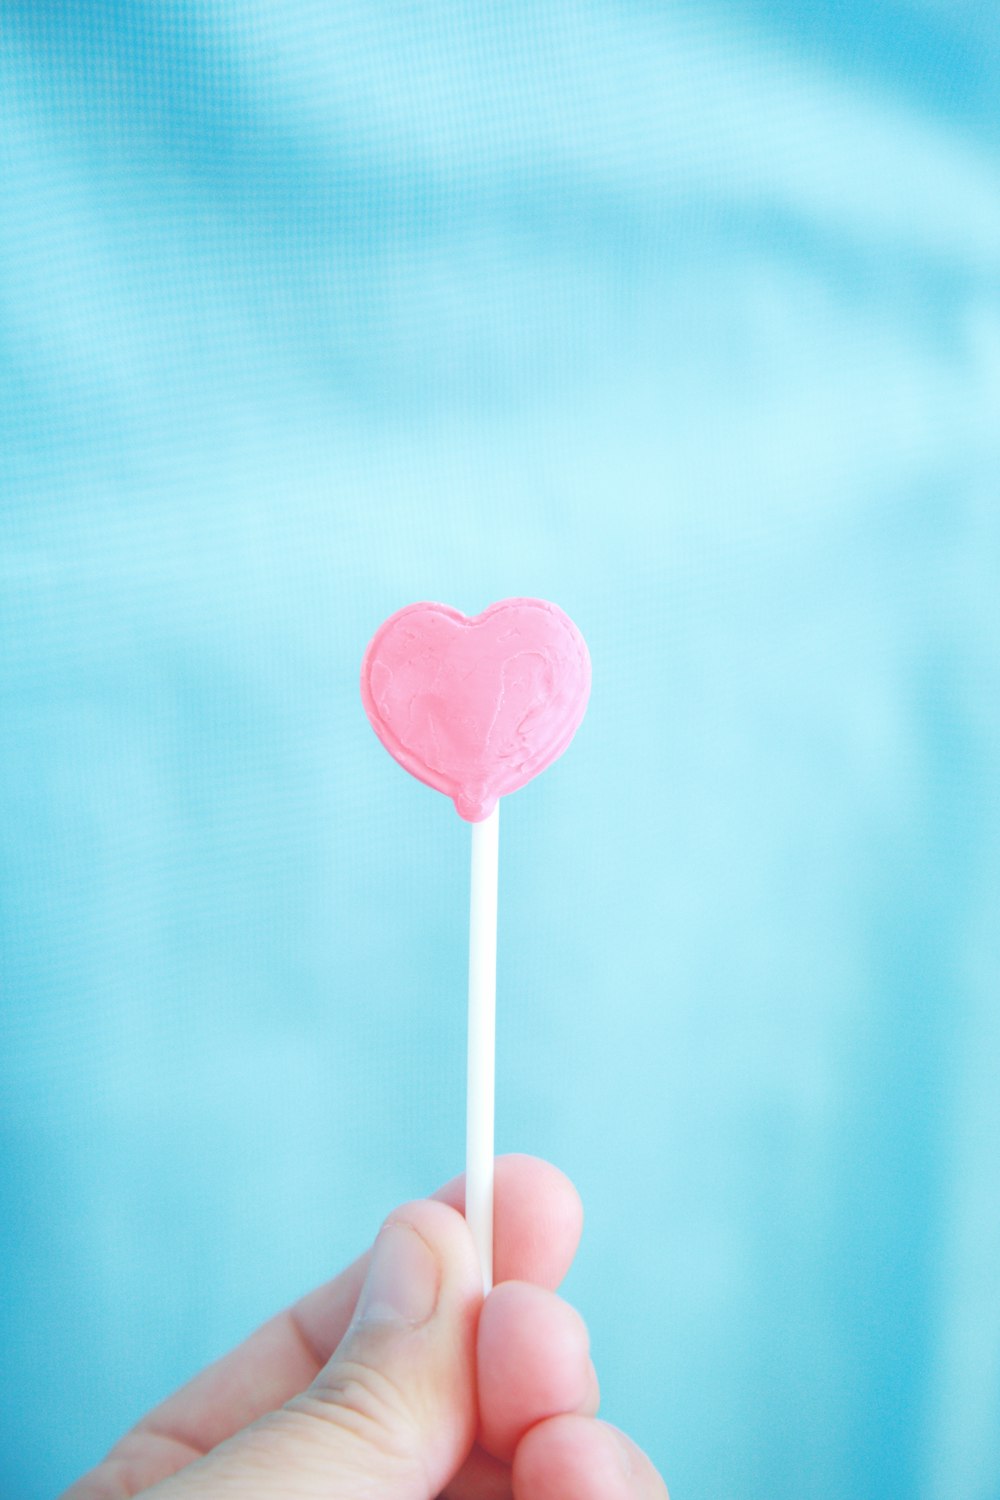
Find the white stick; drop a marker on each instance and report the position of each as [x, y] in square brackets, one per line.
[482, 1039]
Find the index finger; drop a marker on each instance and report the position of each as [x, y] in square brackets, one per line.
[538, 1219]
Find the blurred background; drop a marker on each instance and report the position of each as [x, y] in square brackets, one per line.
[686, 316]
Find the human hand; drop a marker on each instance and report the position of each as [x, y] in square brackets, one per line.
[396, 1381]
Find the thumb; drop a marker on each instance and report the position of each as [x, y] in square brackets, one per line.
[392, 1415]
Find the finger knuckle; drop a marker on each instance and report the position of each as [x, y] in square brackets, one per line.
[368, 1405]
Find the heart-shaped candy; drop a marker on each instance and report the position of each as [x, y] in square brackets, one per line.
[475, 707]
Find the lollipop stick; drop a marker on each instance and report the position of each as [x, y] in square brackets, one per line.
[482, 1039]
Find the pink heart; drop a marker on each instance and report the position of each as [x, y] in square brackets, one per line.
[475, 707]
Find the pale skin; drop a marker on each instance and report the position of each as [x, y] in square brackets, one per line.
[345, 1397]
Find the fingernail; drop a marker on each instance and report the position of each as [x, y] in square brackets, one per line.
[626, 1451]
[403, 1279]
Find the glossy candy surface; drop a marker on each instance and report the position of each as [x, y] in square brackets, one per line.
[476, 706]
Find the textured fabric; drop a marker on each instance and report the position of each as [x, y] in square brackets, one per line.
[686, 316]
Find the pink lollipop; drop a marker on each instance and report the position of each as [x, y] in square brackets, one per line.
[475, 707]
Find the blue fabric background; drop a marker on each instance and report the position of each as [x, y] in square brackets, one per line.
[686, 316]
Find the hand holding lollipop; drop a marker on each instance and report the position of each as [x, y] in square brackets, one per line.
[485, 1398]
